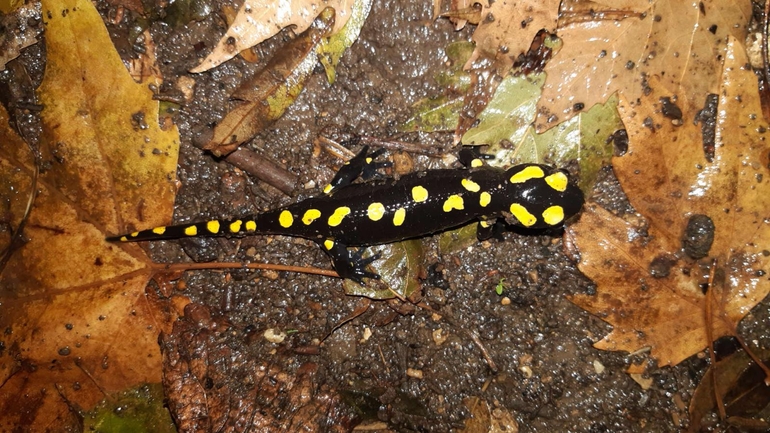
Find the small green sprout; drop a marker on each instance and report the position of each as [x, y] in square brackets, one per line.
[500, 286]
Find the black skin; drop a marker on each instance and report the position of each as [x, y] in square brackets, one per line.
[386, 210]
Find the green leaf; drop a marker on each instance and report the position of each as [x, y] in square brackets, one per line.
[435, 114]
[505, 125]
[331, 49]
[509, 114]
[135, 411]
[456, 240]
[399, 269]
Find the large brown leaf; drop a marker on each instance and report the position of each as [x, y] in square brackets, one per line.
[507, 28]
[612, 46]
[77, 323]
[646, 288]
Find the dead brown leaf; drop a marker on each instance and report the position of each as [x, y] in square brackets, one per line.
[258, 20]
[507, 28]
[646, 287]
[612, 47]
[484, 419]
[75, 315]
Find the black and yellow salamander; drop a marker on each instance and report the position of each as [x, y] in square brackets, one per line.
[382, 211]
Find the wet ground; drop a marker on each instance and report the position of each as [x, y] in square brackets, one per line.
[527, 354]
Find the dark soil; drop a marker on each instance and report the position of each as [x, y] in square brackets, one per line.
[546, 372]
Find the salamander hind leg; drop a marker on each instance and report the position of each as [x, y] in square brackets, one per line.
[349, 264]
[490, 228]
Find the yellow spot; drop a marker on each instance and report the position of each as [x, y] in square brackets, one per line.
[485, 224]
[191, 231]
[213, 226]
[557, 181]
[134, 234]
[338, 215]
[123, 239]
[235, 226]
[399, 216]
[329, 244]
[470, 185]
[251, 226]
[530, 172]
[285, 219]
[310, 216]
[454, 202]
[368, 160]
[375, 211]
[159, 230]
[484, 199]
[419, 194]
[522, 214]
[476, 162]
[328, 188]
[553, 215]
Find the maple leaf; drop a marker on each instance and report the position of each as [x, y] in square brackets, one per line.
[74, 309]
[258, 20]
[615, 46]
[646, 288]
[507, 29]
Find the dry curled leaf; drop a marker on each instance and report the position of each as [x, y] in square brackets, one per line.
[75, 313]
[650, 288]
[267, 95]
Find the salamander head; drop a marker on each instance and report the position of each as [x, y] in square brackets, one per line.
[541, 196]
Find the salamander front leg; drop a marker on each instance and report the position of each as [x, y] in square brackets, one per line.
[471, 156]
[362, 165]
[350, 265]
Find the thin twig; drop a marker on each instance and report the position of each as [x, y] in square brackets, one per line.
[236, 265]
[16, 237]
[361, 308]
[710, 336]
[765, 61]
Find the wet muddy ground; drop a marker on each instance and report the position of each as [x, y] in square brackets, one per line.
[527, 353]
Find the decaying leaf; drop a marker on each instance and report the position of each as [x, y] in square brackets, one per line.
[136, 410]
[506, 31]
[267, 95]
[740, 386]
[75, 313]
[214, 381]
[650, 288]
[441, 113]
[613, 46]
[461, 12]
[17, 32]
[258, 20]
